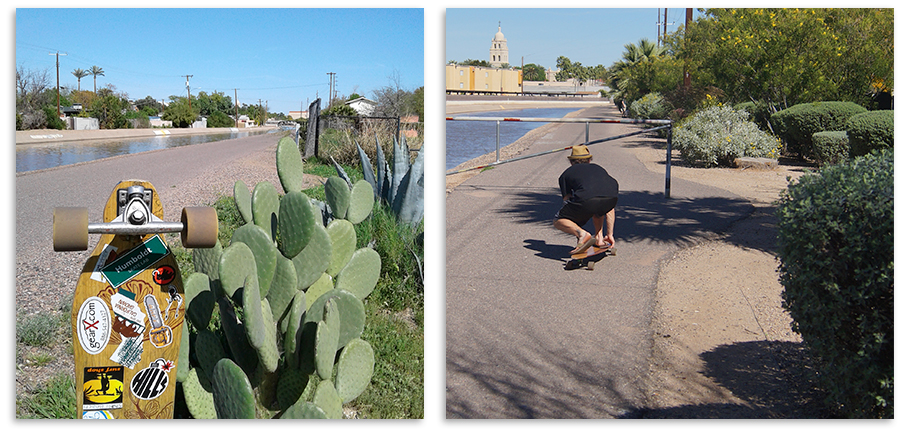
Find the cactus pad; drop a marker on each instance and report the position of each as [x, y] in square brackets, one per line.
[283, 288]
[208, 351]
[298, 220]
[264, 204]
[314, 259]
[289, 163]
[362, 199]
[232, 393]
[353, 314]
[198, 396]
[304, 410]
[354, 370]
[242, 200]
[268, 353]
[343, 244]
[291, 386]
[328, 400]
[207, 260]
[199, 299]
[264, 253]
[328, 332]
[236, 263]
[296, 317]
[318, 288]
[337, 195]
[361, 273]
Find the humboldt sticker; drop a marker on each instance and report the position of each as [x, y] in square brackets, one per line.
[128, 265]
[93, 325]
[103, 388]
[151, 382]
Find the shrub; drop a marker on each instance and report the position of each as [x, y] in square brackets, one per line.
[715, 136]
[836, 251]
[830, 147]
[870, 131]
[759, 113]
[797, 124]
[651, 107]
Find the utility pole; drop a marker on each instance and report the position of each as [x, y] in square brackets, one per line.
[688, 16]
[330, 88]
[235, 108]
[187, 83]
[58, 115]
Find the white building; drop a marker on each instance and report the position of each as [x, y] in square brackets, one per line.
[499, 51]
[362, 106]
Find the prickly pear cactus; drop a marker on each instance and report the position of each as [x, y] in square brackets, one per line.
[289, 290]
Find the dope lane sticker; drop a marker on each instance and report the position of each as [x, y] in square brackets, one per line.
[94, 325]
[103, 388]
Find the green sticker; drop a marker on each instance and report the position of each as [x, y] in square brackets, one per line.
[135, 261]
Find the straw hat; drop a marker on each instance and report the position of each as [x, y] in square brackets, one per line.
[580, 152]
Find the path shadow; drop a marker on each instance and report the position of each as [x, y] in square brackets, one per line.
[641, 216]
[773, 378]
[523, 383]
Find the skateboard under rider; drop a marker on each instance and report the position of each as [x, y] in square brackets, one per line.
[589, 257]
[128, 310]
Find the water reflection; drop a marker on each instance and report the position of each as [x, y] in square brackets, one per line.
[49, 155]
[471, 139]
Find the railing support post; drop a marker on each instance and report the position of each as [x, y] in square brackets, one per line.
[669, 163]
[498, 141]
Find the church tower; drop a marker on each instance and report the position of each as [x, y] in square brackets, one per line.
[499, 51]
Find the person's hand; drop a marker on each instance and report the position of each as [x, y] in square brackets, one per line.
[610, 241]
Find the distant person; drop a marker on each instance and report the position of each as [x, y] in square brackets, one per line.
[589, 193]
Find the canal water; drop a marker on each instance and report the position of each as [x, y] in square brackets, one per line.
[49, 155]
[471, 139]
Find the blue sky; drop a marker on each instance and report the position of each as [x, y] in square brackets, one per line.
[279, 56]
[589, 36]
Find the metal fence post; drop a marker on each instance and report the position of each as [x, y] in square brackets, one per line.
[498, 140]
[669, 163]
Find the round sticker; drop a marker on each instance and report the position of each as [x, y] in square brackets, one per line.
[93, 325]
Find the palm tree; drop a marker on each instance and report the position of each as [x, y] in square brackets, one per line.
[96, 71]
[79, 73]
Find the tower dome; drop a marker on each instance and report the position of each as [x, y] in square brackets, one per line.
[499, 52]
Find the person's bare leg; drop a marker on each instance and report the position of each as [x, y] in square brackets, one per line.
[569, 227]
[598, 226]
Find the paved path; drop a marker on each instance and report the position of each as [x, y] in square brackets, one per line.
[524, 337]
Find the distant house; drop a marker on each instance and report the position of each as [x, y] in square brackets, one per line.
[362, 106]
[294, 115]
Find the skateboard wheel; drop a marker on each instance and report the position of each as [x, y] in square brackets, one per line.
[201, 227]
[70, 229]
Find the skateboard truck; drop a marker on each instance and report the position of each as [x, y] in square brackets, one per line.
[198, 225]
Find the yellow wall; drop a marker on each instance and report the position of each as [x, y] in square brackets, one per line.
[469, 78]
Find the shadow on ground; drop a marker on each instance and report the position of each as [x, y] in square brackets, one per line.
[641, 216]
[773, 378]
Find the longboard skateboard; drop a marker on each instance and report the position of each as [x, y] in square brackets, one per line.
[590, 257]
[129, 309]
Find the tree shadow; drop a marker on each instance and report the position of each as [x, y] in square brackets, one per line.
[543, 381]
[773, 378]
[641, 216]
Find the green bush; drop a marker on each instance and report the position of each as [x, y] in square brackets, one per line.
[797, 124]
[870, 131]
[830, 147]
[836, 252]
[715, 136]
[758, 111]
[651, 107]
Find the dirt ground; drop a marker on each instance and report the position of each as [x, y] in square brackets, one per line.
[722, 344]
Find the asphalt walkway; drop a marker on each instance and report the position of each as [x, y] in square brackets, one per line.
[526, 338]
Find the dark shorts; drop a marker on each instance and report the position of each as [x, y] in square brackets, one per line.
[581, 212]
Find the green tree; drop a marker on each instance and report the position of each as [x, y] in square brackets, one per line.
[782, 57]
[96, 71]
[643, 69]
[534, 72]
[109, 110]
[475, 62]
[219, 119]
[179, 113]
[80, 74]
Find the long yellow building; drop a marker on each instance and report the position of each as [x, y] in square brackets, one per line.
[482, 79]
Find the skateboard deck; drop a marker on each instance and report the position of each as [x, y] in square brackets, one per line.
[128, 312]
[589, 257]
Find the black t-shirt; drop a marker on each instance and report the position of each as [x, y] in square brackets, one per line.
[584, 181]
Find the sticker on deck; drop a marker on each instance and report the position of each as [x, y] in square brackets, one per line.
[130, 264]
